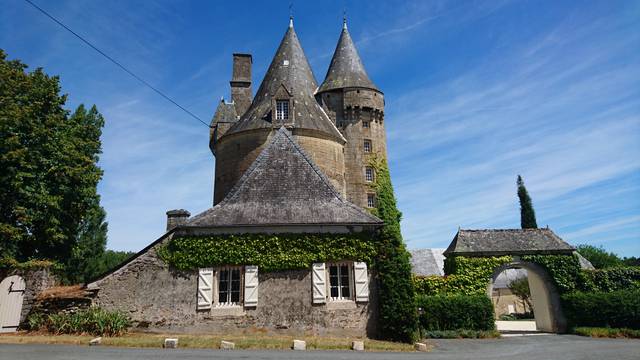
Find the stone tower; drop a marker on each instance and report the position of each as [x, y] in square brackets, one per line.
[356, 106]
[286, 98]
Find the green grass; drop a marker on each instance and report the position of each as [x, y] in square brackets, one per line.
[461, 334]
[250, 341]
[604, 332]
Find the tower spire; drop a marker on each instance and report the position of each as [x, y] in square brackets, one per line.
[344, 18]
[291, 14]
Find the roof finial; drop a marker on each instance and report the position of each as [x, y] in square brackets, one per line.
[290, 14]
[344, 18]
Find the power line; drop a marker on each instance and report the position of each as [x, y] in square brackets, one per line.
[117, 63]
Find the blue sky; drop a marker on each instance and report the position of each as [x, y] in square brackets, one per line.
[476, 93]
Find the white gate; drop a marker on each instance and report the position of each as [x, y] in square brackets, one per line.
[11, 296]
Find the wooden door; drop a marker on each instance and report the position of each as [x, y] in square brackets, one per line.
[11, 296]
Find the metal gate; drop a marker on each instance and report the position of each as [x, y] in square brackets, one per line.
[11, 296]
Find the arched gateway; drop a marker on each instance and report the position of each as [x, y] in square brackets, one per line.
[515, 249]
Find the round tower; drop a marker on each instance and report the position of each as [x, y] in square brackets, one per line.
[356, 106]
[285, 98]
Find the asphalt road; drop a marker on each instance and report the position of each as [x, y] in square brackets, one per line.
[566, 347]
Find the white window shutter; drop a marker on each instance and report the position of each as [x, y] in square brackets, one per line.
[318, 277]
[361, 278]
[205, 288]
[250, 285]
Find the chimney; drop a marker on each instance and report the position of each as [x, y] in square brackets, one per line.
[176, 218]
[241, 93]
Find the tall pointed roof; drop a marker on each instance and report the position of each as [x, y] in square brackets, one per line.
[346, 69]
[289, 74]
[283, 187]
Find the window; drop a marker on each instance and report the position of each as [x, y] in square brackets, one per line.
[365, 124]
[367, 145]
[340, 279]
[229, 286]
[368, 174]
[282, 109]
[371, 200]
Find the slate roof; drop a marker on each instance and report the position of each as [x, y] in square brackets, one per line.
[289, 68]
[346, 69]
[507, 241]
[225, 112]
[283, 187]
[427, 262]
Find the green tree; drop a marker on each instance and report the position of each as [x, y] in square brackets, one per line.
[397, 310]
[599, 257]
[49, 165]
[87, 255]
[527, 214]
[520, 288]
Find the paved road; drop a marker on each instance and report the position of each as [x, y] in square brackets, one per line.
[566, 347]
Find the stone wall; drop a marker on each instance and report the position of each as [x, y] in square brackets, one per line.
[235, 154]
[349, 108]
[36, 281]
[159, 298]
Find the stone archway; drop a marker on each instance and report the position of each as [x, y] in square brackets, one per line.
[544, 295]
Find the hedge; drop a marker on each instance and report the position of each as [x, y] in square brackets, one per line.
[455, 312]
[94, 321]
[618, 309]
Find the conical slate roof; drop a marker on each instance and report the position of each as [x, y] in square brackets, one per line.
[283, 187]
[346, 69]
[290, 74]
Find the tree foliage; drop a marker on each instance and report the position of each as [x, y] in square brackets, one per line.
[527, 214]
[49, 176]
[398, 318]
[599, 257]
[520, 288]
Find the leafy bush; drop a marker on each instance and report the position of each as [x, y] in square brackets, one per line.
[612, 279]
[599, 257]
[94, 321]
[619, 309]
[455, 312]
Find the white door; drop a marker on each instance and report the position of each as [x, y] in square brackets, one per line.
[11, 296]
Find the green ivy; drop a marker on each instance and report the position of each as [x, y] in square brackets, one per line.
[564, 270]
[271, 252]
[466, 275]
[396, 304]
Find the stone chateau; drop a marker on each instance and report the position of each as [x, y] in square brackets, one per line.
[293, 159]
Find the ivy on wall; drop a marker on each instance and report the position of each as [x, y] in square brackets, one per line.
[396, 304]
[471, 275]
[271, 252]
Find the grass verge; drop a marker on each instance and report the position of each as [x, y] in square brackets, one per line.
[603, 332]
[461, 334]
[257, 341]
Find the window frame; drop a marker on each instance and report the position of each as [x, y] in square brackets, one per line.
[340, 286]
[372, 197]
[365, 124]
[283, 114]
[369, 174]
[218, 277]
[367, 146]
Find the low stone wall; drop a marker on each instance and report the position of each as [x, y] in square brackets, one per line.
[159, 298]
[36, 281]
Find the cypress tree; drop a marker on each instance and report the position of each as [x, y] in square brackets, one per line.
[527, 214]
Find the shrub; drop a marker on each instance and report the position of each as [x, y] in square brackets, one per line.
[94, 321]
[455, 312]
[619, 309]
[612, 279]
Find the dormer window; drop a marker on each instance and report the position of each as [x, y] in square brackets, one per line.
[282, 109]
